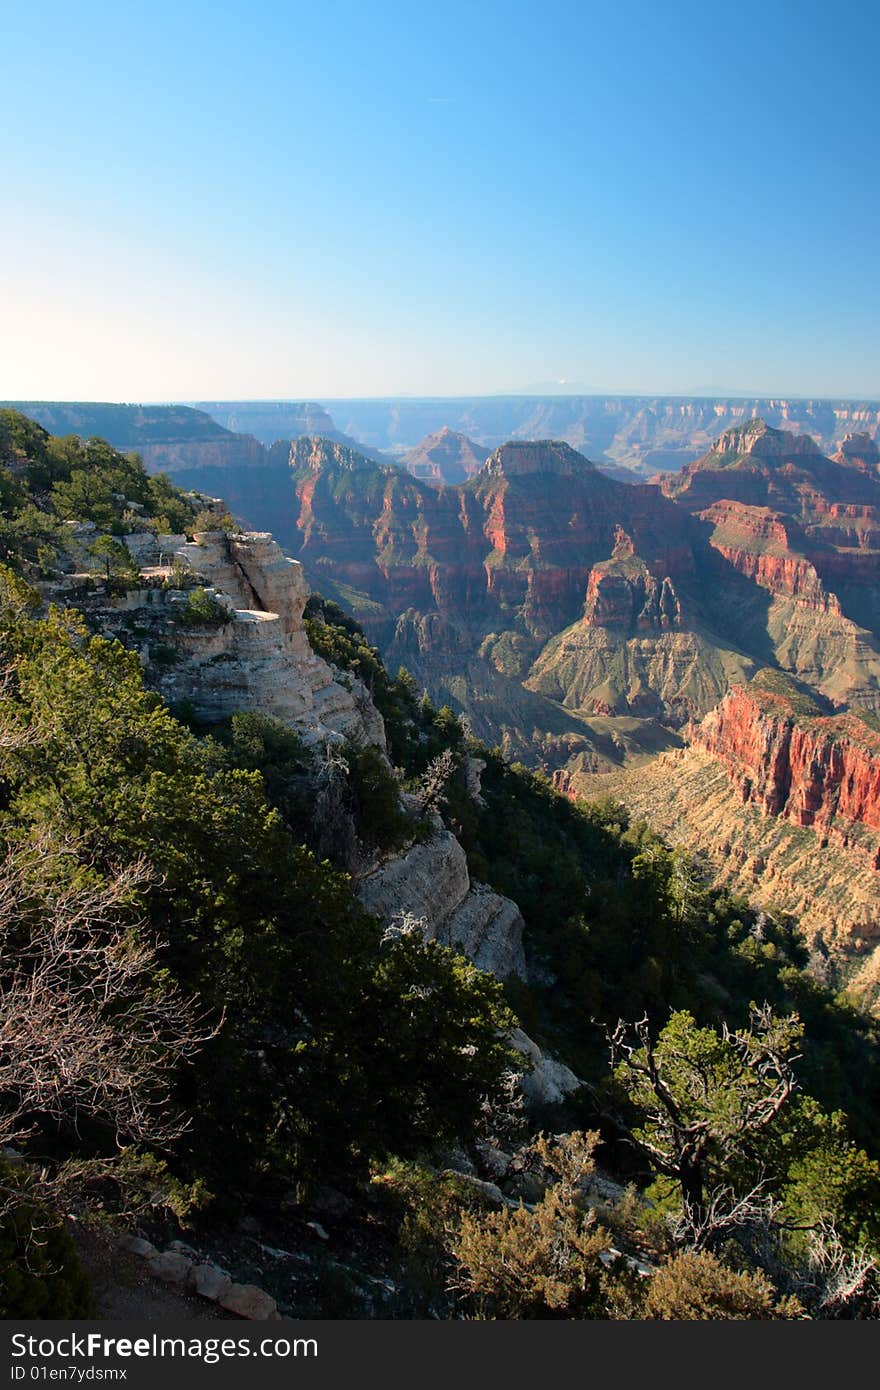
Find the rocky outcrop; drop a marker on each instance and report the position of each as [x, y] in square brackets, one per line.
[623, 594]
[784, 803]
[488, 929]
[429, 887]
[547, 1082]
[259, 658]
[859, 450]
[182, 1266]
[819, 772]
[764, 467]
[791, 576]
[518, 459]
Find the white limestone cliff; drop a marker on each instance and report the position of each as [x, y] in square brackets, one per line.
[429, 888]
[430, 884]
[261, 659]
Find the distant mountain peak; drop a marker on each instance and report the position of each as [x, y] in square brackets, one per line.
[445, 456]
[315, 452]
[859, 451]
[758, 466]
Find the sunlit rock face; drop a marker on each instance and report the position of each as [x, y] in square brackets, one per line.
[260, 658]
[818, 772]
[430, 886]
[446, 456]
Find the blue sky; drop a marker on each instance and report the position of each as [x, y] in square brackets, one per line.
[289, 200]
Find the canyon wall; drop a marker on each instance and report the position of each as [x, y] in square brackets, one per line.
[816, 771]
[782, 803]
[645, 433]
[256, 658]
[430, 886]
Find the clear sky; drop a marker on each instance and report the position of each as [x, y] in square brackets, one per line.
[279, 199]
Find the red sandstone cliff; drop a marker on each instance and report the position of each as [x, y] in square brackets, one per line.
[769, 548]
[524, 534]
[815, 771]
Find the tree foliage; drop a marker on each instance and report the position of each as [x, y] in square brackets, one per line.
[47, 481]
[331, 1043]
[544, 1262]
[703, 1098]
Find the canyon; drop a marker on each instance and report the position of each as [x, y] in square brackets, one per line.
[640, 434]
[579, 621]
[542, 596]
[617, 635]
[646, 434]
[783, 804]
[255, 656]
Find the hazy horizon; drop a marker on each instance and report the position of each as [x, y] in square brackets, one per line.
[302, 398]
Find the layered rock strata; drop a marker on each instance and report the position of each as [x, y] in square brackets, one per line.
[818, 772]
[445, 456]
[260, 657]
[430, 886]
[784, 804]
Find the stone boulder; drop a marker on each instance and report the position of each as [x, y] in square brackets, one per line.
[247, 1301]
[547, 1082]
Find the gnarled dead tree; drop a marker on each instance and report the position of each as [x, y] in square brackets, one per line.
[88, 1029]
[700, 1097]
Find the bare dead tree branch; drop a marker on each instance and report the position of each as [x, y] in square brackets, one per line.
[86, 1029]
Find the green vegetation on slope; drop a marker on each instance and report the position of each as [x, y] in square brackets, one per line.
[319, 1044]
[168, 885]
[47, 481]
[618, 924]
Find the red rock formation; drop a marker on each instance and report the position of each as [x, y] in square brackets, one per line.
[769, 547]
[445, 456]
[791, 575]
[763, 467]
[818, 772]
[622, 593]
[524, 535]
[801, 525]
[859, 451]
